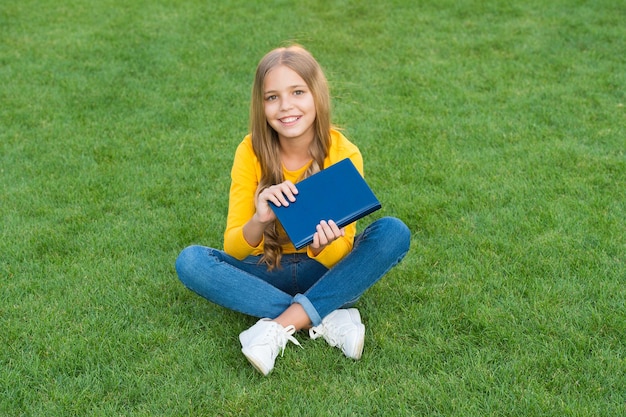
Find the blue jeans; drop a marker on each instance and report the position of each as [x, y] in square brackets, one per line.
[248, 287]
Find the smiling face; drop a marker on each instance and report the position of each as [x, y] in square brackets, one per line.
[289, 105]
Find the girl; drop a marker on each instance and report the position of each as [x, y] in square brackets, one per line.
[259, 272]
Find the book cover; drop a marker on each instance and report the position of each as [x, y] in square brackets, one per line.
[337, 193]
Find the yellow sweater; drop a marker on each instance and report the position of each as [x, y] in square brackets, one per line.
[245, 177]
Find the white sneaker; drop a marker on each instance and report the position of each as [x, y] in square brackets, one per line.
[261, 343]
[342, 328]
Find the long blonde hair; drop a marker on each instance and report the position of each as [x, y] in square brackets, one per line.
[265, 139]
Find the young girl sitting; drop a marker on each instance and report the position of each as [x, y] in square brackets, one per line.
[259, 272]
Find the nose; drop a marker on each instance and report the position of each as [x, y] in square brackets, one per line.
[285, 103]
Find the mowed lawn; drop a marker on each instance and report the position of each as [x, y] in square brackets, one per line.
[496, 130]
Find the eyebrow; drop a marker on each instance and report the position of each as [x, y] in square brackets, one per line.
[291, 87]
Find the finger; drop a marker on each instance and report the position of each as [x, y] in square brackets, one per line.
[322, 233]
[330, 229]
[282, 198]
[275, 195]
[277, 201]
[335, 229]
[316, 241]
[268, 195]
[289, 190]
[291, 186]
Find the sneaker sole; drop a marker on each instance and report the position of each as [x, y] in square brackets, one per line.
[358, 348]
[258, 365]
[356, 353]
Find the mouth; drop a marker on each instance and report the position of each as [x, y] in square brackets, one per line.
[289, 120]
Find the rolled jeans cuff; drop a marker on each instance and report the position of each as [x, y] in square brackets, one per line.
[308, 308]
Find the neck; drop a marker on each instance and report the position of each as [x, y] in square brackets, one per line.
[294, 154]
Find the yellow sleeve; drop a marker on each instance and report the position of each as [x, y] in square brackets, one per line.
[245, 176]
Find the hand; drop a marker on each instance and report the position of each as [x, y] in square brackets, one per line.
[280, 194]
[327, 232]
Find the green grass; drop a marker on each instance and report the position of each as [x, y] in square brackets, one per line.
[495, 130]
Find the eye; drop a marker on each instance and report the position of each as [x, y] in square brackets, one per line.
[270, 98]
[298, 92]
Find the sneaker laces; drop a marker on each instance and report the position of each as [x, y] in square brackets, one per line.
[282, 335]
[327, 330]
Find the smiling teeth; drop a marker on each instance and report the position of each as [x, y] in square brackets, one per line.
[289, 119]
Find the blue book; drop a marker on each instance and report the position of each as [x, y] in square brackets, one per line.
[337, 193]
